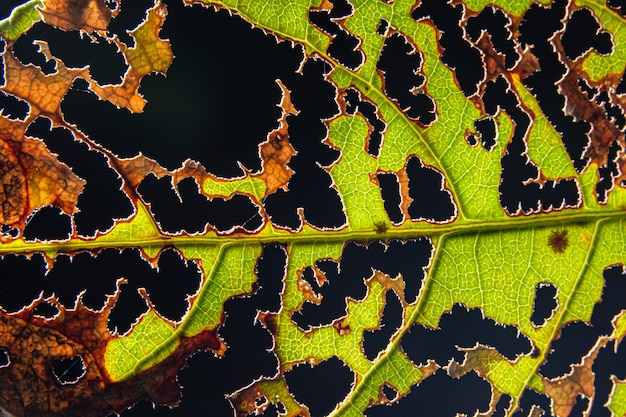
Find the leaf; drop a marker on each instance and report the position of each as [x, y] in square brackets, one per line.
[437, 174]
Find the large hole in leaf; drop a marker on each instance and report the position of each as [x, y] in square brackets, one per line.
[217, 103]
[462, 328]
[344, 46]
[102, 200]
[458, 54]
[106, 65]
[311, 189]
[400, 64]
[321, 387]
[27, 52]
[577, 338]
[68, 370]
[12, 107]
[390, 191]
[375, 341]
[431, 200]
[582, 33]
[346, 279]
[48, 223]
[442, 396]
[191, 211]
[16, 294]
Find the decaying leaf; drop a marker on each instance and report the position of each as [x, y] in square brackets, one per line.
[32, 177]
[150, 54]
[86, 15]
[434, 164]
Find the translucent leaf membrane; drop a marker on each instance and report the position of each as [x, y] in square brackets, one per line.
[428, 213]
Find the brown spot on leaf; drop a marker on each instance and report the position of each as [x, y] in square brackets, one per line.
[86, 15]
[396, 284]
[558, 241]
[276, 151]
[381, 227]
[305, 288]
[269, 321]
[342, 329]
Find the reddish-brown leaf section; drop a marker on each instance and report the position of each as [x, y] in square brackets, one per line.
[150, 54]
[87, 15]
[29, 387]
[31, 176]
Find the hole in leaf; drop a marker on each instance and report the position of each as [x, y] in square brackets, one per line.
[545, 304]
[389, 392]
[46, 310]
[12, 107]
[582, 33]
[5, 360]
[458, 54]
[400, 64]
[16, 294]
[486, 129]
[390, 191]
[48, 223]
[68, 370]
[321, 387]
[192, 211]
[27, 52]
[577, 338]
[440, 395]
[375, 341]
[102, 200]
[462, 328]
[609, 365]
[383, 25]
[431, 200]
[496, 24]
[216, 114]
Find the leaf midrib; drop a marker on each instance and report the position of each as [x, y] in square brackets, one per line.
[457, 227]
